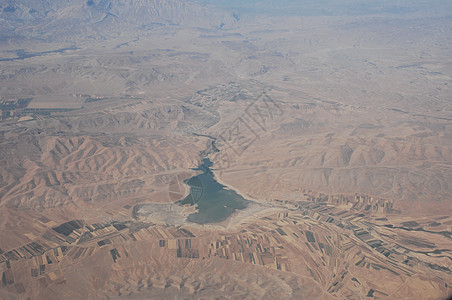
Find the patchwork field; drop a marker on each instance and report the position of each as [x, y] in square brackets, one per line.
[336, 127]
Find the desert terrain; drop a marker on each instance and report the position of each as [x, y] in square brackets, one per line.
[333, 122]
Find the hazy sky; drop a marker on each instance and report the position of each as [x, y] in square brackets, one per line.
[337, 7]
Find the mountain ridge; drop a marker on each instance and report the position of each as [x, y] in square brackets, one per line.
[55, 20]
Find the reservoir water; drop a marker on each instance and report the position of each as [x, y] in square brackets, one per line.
[215, 202]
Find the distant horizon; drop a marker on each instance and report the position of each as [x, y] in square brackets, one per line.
[225, 149]
[335, 8]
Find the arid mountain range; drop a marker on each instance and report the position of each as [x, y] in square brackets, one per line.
[336, 125]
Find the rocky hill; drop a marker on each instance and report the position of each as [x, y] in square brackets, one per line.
[56, 20]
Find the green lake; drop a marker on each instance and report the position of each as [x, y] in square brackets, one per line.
[215, 202]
